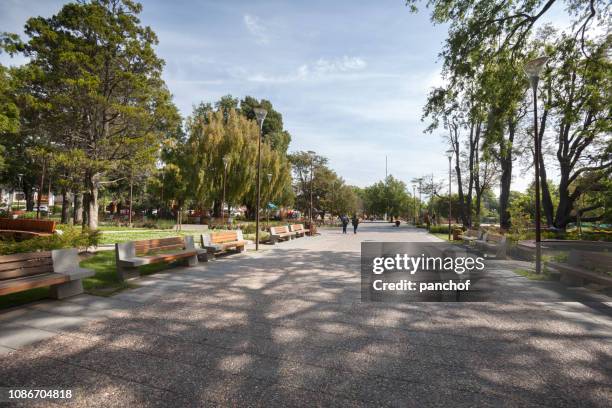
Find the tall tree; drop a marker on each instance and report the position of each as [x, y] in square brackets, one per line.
[97, 75]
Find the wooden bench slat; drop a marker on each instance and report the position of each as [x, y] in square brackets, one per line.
[145, 250]
[22, 272]
[171, 257]
[24, 256]
[31, 282]
[44, 226]
[29, 263]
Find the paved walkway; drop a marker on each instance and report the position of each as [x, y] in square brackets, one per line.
[285, 327]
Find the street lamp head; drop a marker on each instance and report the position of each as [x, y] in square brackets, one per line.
[450, 153]
[269, 177]
[534, 67]
[225, 160]
[260, 115]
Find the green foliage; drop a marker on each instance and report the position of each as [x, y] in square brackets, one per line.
[388, 196]
[69, 238]
[438, 229]
[95, 84]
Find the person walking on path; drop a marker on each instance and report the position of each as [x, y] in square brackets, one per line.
[355, 222]
[344, 219]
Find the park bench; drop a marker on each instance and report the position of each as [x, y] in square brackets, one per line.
[58, 269]
[585, 266]
[471, 235]
[216, 242]
[26, 228]
[298, 229]
[493, 243]
[130, 255]
[281, 232]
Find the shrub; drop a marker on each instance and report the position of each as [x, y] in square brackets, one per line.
[69, 238]
[443, 229]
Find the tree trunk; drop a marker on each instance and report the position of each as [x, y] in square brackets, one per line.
[29, 197]
[77, 214]
[92, 207]
[547, 204]
[85, 212]
[506, 176]
[564, 209]
[65, 206]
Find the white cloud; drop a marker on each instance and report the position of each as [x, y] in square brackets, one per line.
[256, 28]
[322, 68]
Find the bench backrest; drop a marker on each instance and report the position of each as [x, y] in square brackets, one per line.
[224, 236]
[161, 244]
[28, 264]
[281, 229]
[496, 238]
[472, 233]
[44, 226]
[600, 261]
[132, 249]
[297, 227]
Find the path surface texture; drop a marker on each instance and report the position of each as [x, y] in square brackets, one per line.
[285, 327]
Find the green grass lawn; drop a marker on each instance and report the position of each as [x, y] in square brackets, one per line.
[531, 275]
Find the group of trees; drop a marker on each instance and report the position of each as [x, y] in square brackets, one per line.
[89, 117]
[486, 109]
[91, 102]
[390, 197]
[217, 158]
[314, 181]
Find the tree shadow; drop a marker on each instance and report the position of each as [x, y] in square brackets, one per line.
[287, 328]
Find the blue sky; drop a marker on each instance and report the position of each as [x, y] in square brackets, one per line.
[349, 77]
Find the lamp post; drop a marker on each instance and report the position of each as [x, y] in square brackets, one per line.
[533, 69]
[312, 156]
[449, 154]
[420, 180]
[268, 205]
[225, 162]
[21, 188]
[260, 115]
[414, 199]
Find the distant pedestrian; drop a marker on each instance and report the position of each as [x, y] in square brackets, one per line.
[355, 222]
[344, 219]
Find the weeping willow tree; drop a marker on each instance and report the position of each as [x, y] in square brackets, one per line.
[222, 147]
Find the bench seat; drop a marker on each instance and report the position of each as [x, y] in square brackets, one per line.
[298, 229]
[130, 255]
[58, 269]
[281, 233]
[471, 236]
[493, 243]
[217, 242]
[581, 267]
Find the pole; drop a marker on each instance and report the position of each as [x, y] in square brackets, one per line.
[223, 200]
[131, 195]
[258, 186]
[40, 190]
[420, 192]
[414, 209]
[386, 191]
[534, 84]
[449, 196]
[311, 174]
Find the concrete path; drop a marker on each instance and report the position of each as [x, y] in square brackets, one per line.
[285, 327]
